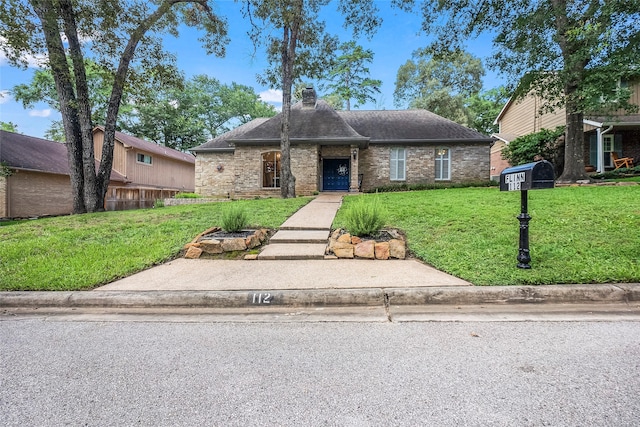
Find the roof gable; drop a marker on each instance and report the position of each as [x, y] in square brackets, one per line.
[307, 124]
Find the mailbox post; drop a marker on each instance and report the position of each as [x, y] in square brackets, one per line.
[531, 176]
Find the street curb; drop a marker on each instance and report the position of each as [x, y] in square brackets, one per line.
[495, 295]
[488, 295]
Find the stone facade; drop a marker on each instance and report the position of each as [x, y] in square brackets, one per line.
[469, 163]
[239, 174]
[215, 174]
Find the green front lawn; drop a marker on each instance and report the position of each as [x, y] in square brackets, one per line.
[577, 234]
[84, 251]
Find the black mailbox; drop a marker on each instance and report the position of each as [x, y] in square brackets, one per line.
[531, 176]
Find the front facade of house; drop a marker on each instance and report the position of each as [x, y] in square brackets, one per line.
[617, 133]
[341, 151]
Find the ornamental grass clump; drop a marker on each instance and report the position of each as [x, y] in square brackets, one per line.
[234, 218]
[365, 217]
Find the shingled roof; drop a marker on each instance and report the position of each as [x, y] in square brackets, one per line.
[326, 126]
[151, 147]
[35, 154]
[409, 126]
[223, 143]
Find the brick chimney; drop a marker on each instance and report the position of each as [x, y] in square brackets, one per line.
[308, 98]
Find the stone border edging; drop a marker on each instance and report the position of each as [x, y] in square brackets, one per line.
[499, 295]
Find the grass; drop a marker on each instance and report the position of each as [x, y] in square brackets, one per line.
[577, 234]
[85, 251]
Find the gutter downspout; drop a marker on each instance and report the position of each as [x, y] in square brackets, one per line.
[600, 148]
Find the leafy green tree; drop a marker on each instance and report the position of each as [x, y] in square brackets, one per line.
[9, 126]
[439, 83]
[42, 88]
[298, 46]
[484, 107]
[183, 117]
[349, 76]
[114, 33]
[571, 52]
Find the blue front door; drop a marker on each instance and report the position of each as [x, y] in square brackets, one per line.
[335, 174]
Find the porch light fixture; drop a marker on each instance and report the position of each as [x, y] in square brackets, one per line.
[354, 153]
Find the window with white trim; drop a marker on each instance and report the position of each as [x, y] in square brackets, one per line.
[443, 164]
[144, 158]
[397, 167]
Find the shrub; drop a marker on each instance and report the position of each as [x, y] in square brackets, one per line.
[159, 203]
[528, 148]
[234, 218]
[187, 196]
[365, 217]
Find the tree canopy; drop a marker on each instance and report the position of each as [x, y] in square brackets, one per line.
[115, 34]
[349, 76]
[182, 117]
[570, 52]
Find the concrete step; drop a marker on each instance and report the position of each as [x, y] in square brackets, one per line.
[300, 236]
[281, 251]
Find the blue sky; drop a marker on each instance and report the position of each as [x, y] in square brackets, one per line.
[392, 45]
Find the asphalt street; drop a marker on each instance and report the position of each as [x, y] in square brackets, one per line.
[348, 374]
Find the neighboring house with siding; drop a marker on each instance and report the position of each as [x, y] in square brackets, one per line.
[151, 171]
[618, 132]
[341, 151]
[38, 180]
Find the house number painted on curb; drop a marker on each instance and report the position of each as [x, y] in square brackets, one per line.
[261, 298]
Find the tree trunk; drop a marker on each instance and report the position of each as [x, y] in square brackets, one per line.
[106, 162]
[91, 199]
[574, 146]
[68, 107]
[287, 179]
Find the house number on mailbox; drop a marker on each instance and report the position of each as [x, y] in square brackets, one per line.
[513, 180]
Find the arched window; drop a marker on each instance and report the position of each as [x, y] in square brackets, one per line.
[443, 164]
[271, 169]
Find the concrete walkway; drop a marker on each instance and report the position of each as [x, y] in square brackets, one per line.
[304, 235]
[293, 259]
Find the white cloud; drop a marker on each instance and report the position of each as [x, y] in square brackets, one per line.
[32, 61]
[271, 95]
[4, 96]
[40, 113]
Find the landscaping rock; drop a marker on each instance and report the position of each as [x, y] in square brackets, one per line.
[365, 249]
[343, 250]
[193, 253]
[382, 250]
[252, 241]
[251, 257]
[397, 249]
[231, 245]
[345, 238]
[355, 240]
[210, 246]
